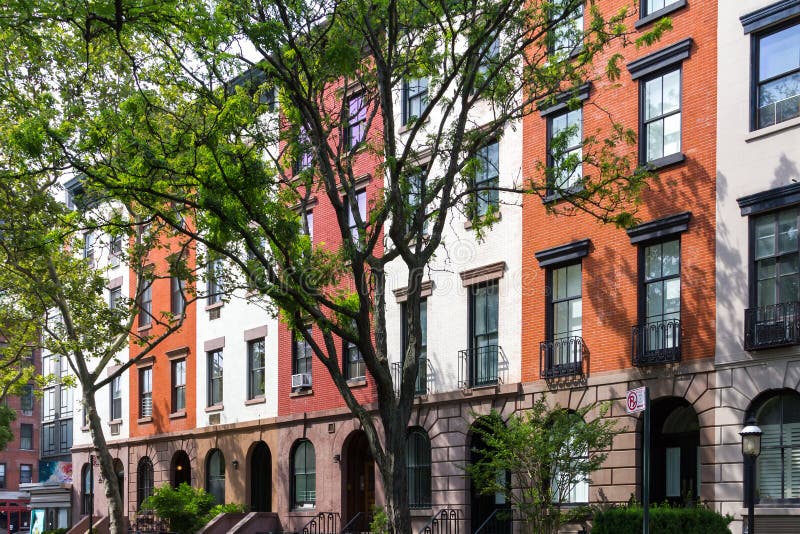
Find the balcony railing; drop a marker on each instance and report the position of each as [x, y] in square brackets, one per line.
[480, 366]
[421, 387]
[562, 357]
[657, 342]
[777, 325]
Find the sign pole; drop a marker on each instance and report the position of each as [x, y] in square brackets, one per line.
[646, 465]
[91, 487]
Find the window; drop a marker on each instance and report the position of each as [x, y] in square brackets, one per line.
[649, 7]
[660, 306]
[26, 436]
[566, 37]
[305, 156]
[115, 249]
[353, 362]
[487, 179]
[144, 481]
[565, 138]
[255, 359]
[565, 317]
[25, 473]
[87, 490]
[301, 355]
[116, 398]
[484, 315]
[115, 298]
[178, 296]
[146, 392]
[415, 98]
[777, 258]
[307, 227]
[145, 302]
[415, 199]
[564, 487]
[777, 73]
[356, 121]
[215, 377]
[26, 400]
[304, 475]
[361, 202]
[661, 115]
[215, 475]
[2, 476]
[88, 247]
[178, 385]
[422, 374]
[418, 466]
[214, 282]
[778, 472]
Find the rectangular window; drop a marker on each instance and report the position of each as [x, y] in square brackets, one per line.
[484, 320]
[301, 355]
[353, 362]
[305, 156]
[256, 364]
[88, 247]
[114, 297]
[146, 392]
[565, 318]
[146, 306]
[178, 385]
[116, 398]
[25, 474]
[651, 6]
[26, 400]
[422, 374]
[777, 73]
[214, 281]
[777, 258]
[215, 378]
[178, 296]
[566, 37]
[26, 436]
[356, 121]
[565, 139]
[115, 249]
[661, 115]
[361, 201]
[487, 179]
[661, 291]
[415, 98]
[308, 224]
[2, 476]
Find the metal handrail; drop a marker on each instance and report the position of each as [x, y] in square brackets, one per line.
[561, 357]
[322, 523]
[656, 342]
[352, 526]
[494, 521]
[480, 366]
[445, 521]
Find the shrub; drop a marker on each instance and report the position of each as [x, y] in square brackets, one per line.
[187, 509]
[663, 520]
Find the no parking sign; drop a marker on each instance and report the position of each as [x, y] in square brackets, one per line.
[635, 401]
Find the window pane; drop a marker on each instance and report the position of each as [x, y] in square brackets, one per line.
[574, 280]
[575, 316]
[655, 140]
[765, 236]
[670, 258]
[561, 319]
[779, 52]
[672, 91]
[652, 98]
[652, 262]
[672, 297]
[672, 134]
[787, 231]
[655, 299]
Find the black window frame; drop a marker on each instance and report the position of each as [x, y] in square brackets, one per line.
[145, 380]
[674, 157]
[26, 400]
[114, 297]
[214, 285]
[421, 386]
[552, 38]
[145, 305]
[755, 82]
[211, 378]
[360, 120]
[408, 97]
[644, 352]
[144, 480]
[178, 390]
[23, 436]
[418, 468]
[2, 475]
[22, 470]
[87, 489]
[352, 224]
[307, 358]
[215, 482]
[483, 177]
[353, 369]
[252, 371]
[115, 398]
[553, 191]
[647, 16]
[177, 301]
[483, 364]
[551, 302]
[296, 502]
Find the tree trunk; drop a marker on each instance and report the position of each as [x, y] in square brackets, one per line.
[394, 477]
[116, 514]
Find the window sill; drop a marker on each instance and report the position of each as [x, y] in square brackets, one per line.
[215, 408]
[142, 420]
[115, 422]
[655, 15]
[302, 509]
[214, 306]
[553, 197]
[301, 393]
[666, 161]
[85, 429]
[498, 216]
[421, 511]
[357, 382]
[144, 328]
[178, 415]
[771, 130]
[256, 400]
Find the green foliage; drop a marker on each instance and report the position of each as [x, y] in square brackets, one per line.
[663, 520]
[56, 531]
[380, 521]
[545, 452]
[186, 508]
[7, 416]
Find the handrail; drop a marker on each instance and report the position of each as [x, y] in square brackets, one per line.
[322, 523]
[480, 366]
[356, 524]
[495, 521]
[444, 521]
[656, 342]
[561, 357]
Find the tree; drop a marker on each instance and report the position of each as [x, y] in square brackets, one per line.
[545, 454]
[170, 107]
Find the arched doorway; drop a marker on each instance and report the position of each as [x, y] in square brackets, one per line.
[215, 475]
[260, 478]
[675, 445]
[359, 482]
[181, 471]
[485, 510]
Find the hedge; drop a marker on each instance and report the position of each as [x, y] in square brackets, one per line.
[663, 520]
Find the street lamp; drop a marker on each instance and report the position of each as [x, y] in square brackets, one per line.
[751, 448]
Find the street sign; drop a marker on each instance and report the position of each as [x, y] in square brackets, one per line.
[635, 400]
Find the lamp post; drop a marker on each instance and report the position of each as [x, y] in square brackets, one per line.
[751, 448]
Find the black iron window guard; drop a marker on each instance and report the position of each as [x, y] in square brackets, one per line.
[478, 366]
[656, 343]
[561, 357]
[777, 325]
[421, 387]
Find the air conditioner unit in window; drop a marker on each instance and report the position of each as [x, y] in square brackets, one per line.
[301, 380]
[114, 428]
[214, 419]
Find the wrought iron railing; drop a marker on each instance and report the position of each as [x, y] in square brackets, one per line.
[777, 325]
[322, 523]
[147, 521]
[561, 357]
[479, 366]
[498, 522]
[656, 342]
[421, 387]
[359, 524]
[445, 521]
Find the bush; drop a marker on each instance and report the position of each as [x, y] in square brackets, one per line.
[663, 520]
[187, 509]
[229, 508]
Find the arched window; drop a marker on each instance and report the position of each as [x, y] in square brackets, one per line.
[215, 475]
[778, 473]
[144, 481]
[304, 475]
[418, 468]
[87, 489]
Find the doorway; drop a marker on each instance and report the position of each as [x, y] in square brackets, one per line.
[675, 444]
[261, 478]
[487, 512]
[359, 483]
[181, 469]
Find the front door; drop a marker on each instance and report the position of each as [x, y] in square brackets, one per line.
[360, 480]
